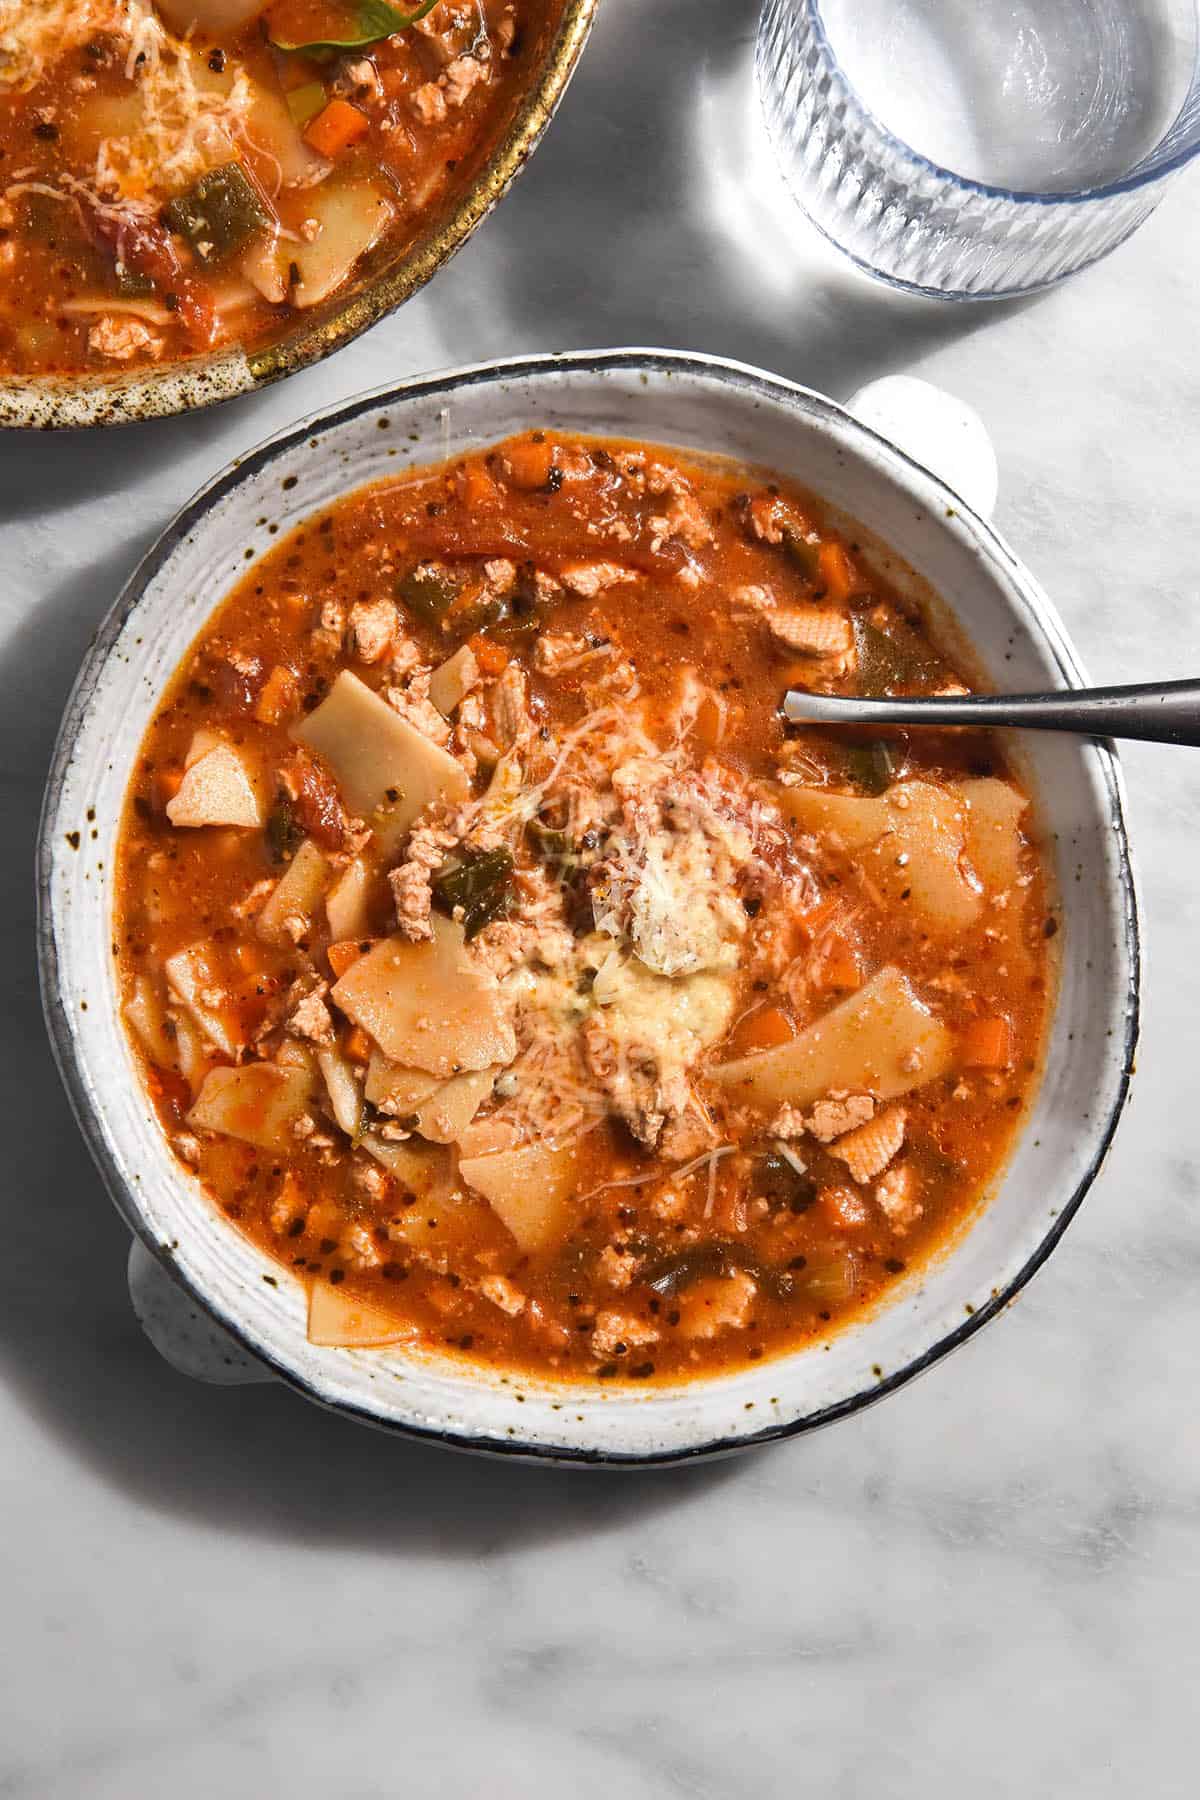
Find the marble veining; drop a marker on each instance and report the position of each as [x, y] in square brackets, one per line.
[987, 1584]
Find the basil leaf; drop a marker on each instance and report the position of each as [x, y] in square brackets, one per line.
[367, 22]
[478, 881]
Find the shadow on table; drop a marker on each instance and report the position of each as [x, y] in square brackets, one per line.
[655, 214]
[254, 1460]
[651, 216]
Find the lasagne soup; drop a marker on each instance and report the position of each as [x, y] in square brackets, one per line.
[180, 174]
[513, 975]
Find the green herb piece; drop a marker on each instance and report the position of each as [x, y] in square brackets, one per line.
[427, 593]
[478, 881]
[783, 1186]
[366, 22]
[518, 615]
[806, 556]
[871, 766]
[284, 835]
[218, 214]
[892, 659]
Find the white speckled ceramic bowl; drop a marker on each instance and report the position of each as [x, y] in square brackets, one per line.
[386, 278]
[1018, 641]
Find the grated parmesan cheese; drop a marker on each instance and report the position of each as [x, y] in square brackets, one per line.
[184, 130]
[35, 33]
[188, 122]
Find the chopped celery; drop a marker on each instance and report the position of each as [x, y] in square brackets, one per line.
[427, 593]
[829, 1280]
[304, 103]
[804, 554]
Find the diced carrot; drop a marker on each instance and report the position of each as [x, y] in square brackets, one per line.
[477, 486]
[171, 1090]
[838, 575]
[278, 696]
[336, 127]
[813, 922]
[840, 968]
[168, 783]
[344, 955]
[844, 1210]
[528, 462]
[492, 658]
[987, 1044]
[709, 727]
[762, 1029]
[358, 1045]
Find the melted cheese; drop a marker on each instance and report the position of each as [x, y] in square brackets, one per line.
[665, 892]
[674, 1020]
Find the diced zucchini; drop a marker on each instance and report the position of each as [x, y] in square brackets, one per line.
[304, 103]
[219, 213]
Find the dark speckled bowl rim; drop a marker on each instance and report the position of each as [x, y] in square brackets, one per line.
[665, 363]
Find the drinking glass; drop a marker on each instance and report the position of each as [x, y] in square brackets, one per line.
[976, 148]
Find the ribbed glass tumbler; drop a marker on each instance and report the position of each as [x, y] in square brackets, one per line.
[970, 149]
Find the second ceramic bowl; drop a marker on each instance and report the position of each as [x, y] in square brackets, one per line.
[384, 282]
[1018, 640]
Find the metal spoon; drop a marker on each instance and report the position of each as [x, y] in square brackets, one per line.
[1164, 712]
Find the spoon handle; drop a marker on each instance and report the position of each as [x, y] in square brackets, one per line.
[1164, 712]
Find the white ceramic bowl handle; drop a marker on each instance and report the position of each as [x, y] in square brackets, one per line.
[181, 1332]
[937, 430]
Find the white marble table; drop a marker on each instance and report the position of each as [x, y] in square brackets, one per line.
[987, 1584]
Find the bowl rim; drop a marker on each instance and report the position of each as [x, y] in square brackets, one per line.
[60, 1022]
[60, 403]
